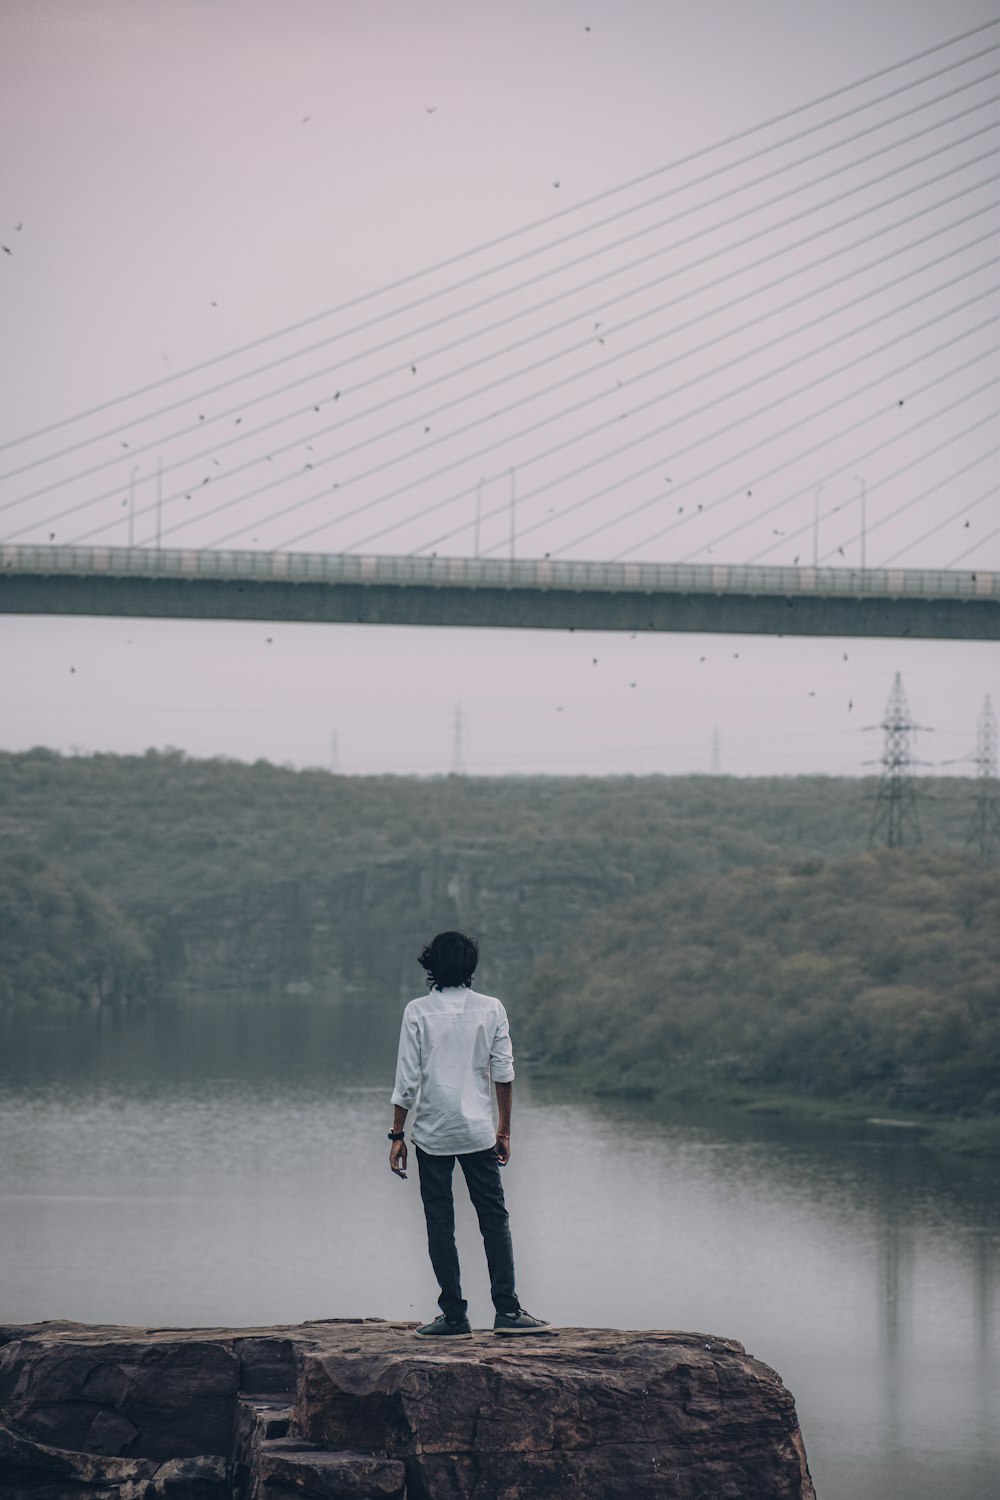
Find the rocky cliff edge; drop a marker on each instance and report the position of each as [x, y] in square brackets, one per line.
[361, 1410]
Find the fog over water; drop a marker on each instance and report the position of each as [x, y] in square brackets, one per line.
[225, 1162]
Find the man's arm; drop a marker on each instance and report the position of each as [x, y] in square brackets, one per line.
[404, 1093]
[505, 1098]
[397, 1151]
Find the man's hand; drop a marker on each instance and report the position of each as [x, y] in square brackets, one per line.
[503, 1147]
[397, 1158]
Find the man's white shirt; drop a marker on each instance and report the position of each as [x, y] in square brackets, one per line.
[451, 1043]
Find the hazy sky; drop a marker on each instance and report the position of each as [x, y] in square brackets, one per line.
[181, 180]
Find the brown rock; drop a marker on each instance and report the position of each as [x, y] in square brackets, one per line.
[588, 1413]
[202, 1414]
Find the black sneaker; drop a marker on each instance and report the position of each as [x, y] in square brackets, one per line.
[519, 1322]
[442, 1328]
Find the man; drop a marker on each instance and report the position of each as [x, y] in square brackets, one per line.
[451, 1042]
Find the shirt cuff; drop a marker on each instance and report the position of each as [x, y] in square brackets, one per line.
[405, 1101]
[503, 1075]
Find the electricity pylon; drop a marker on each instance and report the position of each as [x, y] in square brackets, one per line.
[894, 820]
[984, 832]
[458, 747]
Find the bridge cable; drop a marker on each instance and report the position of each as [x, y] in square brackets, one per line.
[423, 356]
[511, 235]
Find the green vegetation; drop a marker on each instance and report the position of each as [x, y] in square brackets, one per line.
[63, 944]
[722, 937]
[872, 979]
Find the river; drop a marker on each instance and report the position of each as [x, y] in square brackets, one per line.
[222, 1162]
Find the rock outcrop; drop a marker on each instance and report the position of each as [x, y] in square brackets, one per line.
[360, 1410]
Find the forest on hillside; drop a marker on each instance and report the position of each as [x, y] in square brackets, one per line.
[877, 976]
[734, 926]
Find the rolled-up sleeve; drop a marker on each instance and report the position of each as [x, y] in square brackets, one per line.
[407, 1063]
[502, 1053]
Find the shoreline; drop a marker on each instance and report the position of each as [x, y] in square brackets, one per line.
[974, 1138]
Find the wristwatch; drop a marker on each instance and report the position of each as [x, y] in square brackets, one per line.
[397, 1135]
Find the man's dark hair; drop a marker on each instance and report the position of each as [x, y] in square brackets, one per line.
[450, 959]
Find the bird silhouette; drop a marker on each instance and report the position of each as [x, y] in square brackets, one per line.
[850, 704]
[431, 108]
[555, 184]
[6, 250]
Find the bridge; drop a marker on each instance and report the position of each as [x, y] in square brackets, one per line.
[599, 407]
[488, 592]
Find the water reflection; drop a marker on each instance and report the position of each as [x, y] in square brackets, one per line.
[224, 1161]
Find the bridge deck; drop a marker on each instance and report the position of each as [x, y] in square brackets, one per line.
[528, 594]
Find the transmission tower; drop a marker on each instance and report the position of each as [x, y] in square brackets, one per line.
[894, 821]
[984, 834]
[458, 750]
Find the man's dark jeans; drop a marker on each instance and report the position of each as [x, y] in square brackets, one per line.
[482, 1177]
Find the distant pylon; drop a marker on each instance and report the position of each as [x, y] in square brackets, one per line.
[458, 752]
[895, 821]
[984, 833]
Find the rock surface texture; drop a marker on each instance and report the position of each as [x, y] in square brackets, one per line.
[361, 1410]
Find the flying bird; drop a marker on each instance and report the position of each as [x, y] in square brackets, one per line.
[431, 108]
[6, 250]
[555, 184]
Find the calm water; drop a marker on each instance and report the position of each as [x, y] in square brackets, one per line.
[224, 1163]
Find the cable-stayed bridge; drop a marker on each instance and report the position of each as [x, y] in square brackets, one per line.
[531, 594]
[755, 389]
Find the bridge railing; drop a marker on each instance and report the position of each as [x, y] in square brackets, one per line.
[498, 573]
